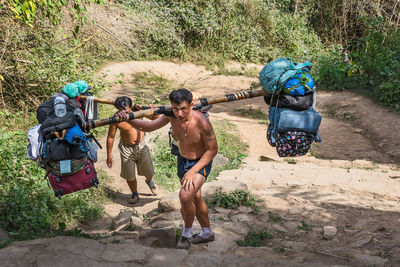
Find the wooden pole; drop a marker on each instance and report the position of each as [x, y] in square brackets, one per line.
[162, 109]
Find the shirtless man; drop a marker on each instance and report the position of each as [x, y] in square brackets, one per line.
[134, 152]
[197, 148]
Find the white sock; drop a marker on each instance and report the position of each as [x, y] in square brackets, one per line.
[187, 232]
[206, 232]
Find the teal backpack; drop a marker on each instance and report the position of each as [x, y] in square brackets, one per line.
[275, 74]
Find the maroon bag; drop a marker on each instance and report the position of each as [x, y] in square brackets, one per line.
[66, 184]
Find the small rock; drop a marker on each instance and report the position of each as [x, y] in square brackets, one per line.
[169, 202]
[358, 131]
[220, 160]
[161, 224]
[361, 242]
[381, 145]
[122, 220]
[127, 234]
[279, 228]
[160, 217]
[329, 231]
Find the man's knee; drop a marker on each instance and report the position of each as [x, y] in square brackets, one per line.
[185, 197]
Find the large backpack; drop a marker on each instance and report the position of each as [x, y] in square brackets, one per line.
[275, 74]
[66, 152]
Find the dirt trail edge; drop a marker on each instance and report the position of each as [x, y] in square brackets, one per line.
[338, 207]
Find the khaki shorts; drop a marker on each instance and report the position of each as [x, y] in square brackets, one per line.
[132, 156]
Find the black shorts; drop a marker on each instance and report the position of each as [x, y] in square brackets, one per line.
[184, 165]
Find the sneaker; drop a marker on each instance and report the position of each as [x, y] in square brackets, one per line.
[183, 243]
[152, 187]
[134, 199]
[197, 239]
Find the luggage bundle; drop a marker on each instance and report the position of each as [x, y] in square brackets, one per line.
[60, 146]
[294, 123]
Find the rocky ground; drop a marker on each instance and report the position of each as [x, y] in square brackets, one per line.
[338, 207]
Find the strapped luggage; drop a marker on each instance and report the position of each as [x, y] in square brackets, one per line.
[275, 74]
[301, 102]
[66, 184]
[66, 152]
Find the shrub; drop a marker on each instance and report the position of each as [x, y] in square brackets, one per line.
[234, 200]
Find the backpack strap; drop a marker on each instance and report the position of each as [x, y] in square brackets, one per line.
[306, 66]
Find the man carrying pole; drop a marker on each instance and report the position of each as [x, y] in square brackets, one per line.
[133, 150]
[197, 148]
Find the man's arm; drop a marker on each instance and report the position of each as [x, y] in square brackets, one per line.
[211, 145]
[145, 126]
[112, 130]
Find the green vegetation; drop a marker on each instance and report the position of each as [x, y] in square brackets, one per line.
[212, 32]
[234, 200]
[28, 206]
[254, 239]
[304, 226]
[272, 217]
[164, 165]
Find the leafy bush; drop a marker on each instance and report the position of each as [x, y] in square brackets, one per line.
[206, 30]
[372, 69]
[254, 239]
[28, 207]
[234, 200]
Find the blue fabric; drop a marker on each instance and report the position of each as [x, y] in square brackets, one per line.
[184, 165]
[285, 119]
[276, 73]
[294, 86]
[74, 135]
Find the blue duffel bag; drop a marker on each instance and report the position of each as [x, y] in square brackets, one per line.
[286, 119]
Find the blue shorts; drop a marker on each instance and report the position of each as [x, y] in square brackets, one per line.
[184, 165]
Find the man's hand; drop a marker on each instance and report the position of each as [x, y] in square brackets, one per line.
[109, 162]
[188, 180]
[122, 114]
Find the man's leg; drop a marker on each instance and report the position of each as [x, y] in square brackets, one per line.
[145, 168]
[188, 209]
[132, 185]
[201, 210]
[206, 234]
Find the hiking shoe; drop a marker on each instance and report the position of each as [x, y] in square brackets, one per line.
[134, 199]
[152, 187]
[196, 239]
[183, 243]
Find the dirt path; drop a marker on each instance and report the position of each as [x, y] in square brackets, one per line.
[340, 206]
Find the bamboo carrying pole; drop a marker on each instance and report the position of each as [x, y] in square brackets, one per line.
[162, 109]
